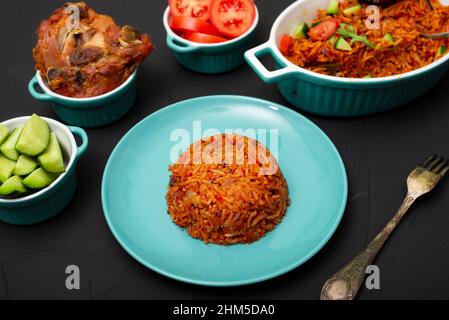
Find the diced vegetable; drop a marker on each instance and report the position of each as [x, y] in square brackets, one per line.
[389, 37]
[325, 30]
[367, 76]
[39, 179]
[441, 50]
[301, 31]
[342, 44]
[8, 148]
[34, 137]
[12, 185]
[333, 39]
[4, 133]
[352, 10]
[314, 24]
[286, 44]
[347, 34]
[51, 160]
[6, 168]
[333, 7]
[25, 165]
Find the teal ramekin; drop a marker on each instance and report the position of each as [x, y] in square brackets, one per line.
[47, 203]
[88, 112]
[334, 96]
[209, 58]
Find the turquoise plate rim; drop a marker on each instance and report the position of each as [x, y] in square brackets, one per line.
[228, 283]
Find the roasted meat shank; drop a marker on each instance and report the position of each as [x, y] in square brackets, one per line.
[89, 58]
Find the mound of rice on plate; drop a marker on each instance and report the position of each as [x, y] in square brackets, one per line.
[227, 189]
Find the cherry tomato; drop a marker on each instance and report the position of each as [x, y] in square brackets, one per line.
[183, 24]
[190, 8]
[286, 44]
[203, 38]
[324, 30]
[232, 18]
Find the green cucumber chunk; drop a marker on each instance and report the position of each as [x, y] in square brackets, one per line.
[4, 133]
[314, 24]
[8, 148]
[25, 165]
[6, 168]
[51, 160]
[39, 179]
[343, 45]
[333, 7]
[301, 31]
[34, 138]
[332, 39]
[352, 10]
[389, 37]
[441, 50]
[12, 185]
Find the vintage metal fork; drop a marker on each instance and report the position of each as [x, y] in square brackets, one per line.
[345, 284]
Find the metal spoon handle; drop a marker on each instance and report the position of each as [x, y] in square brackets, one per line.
[345, 284]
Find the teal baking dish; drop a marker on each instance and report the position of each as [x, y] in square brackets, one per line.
[88, 112]
[47, 203]
[209, 58]
[334, 96]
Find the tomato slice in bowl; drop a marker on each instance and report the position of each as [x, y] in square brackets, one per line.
[324, 30]
[184, 24]
[190, 8]
[203, 38]
[232, 18]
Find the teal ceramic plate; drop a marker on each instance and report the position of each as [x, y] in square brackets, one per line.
[136, 180]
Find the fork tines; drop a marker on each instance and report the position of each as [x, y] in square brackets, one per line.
[436, 164]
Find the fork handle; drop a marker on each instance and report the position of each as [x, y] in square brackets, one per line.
[345, 284]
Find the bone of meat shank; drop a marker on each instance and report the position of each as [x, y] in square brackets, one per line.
[90, 60]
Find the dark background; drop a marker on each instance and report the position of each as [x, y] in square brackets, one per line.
[379, 151]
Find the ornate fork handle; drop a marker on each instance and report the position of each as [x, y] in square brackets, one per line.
[345, 284]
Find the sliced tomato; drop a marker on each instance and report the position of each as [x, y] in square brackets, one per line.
[286, 44]
[232, 17]
[203, 38]
[183, 24]
[324, 30]
[190, 8]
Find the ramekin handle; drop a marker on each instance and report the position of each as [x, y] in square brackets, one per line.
[37, 95]
[180, 48]
[252, 57]
[85, 140]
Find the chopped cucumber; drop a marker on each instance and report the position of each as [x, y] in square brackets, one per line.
[333, 7]
[34, 138]
[314, 24]
[51, 160]
[301, 31]
[367, 76]
[352, 10]
[4, 133]
[343, 45]
[389, 37]
[332, 39]
[6, 168]
[39, 179]
[8, 148]
[441, 50]
[25, 165]
[12, 185]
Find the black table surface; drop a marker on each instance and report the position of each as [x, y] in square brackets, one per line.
[379, 151]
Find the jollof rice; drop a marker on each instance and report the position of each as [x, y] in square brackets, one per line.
[404, 20]
[227, 203]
